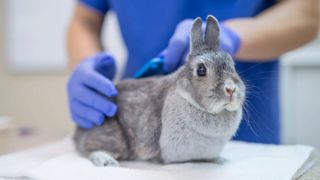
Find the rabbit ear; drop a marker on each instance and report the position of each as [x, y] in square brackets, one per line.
[212, 32]
[196, 35]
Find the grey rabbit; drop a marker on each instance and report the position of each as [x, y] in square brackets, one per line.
[188, 115]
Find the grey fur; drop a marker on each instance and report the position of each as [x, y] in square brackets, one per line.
[174, 118]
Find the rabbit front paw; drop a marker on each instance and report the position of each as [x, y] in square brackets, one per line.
[102, 158]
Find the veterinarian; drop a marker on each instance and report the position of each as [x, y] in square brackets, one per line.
[255, 32]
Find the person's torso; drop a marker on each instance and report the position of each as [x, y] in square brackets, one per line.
[147, 26]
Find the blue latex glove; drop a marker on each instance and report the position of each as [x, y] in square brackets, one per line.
[90, 90]
[178, 48]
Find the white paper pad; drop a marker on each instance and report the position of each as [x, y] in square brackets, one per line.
[242, 161]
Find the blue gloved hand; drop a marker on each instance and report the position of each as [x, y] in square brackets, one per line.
[89, 90]
[178, 48]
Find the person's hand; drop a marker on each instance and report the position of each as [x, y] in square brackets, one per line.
[90, 89]
[178, 48]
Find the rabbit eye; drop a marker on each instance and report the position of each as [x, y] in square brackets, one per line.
[202, 70]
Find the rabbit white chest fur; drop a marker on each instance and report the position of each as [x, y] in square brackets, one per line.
[189, 133]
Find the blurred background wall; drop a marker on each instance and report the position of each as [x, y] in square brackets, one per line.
[33, 93]
[33, 99]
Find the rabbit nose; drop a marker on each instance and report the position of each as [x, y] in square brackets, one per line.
[229, 87]
[230, 91]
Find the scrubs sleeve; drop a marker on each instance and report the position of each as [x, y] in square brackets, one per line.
[101, 6]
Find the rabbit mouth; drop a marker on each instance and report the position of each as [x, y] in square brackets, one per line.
[232, 106]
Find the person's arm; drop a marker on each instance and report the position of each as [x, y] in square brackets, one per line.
[90, 85]
[284, 27]
[84, 34]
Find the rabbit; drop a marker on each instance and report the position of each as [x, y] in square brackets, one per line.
[188, 115]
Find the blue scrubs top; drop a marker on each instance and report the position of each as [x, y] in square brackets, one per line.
[147, 25]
